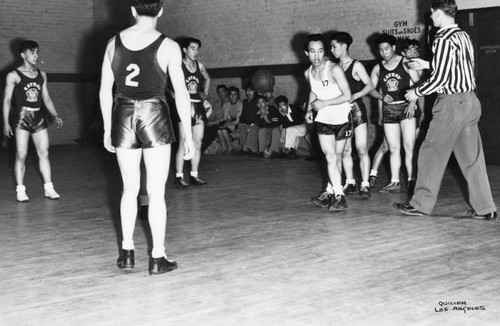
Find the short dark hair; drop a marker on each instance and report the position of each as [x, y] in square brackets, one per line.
[147, 7]
[259, 97]
[342, 37]
[28, 45]
[233, 89]
[248, 86]
[406, 43]
[314, 38]
[221, 86]
[185, 43]
[449, 7]
[281, 99]
[385, 38]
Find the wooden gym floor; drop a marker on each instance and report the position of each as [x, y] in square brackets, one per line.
[252, 250]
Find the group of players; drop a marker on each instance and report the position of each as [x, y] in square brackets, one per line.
[336, 96]
[138, 127]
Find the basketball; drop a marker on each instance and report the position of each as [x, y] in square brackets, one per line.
[263, 80]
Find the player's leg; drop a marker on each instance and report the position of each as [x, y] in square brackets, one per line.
[333, 156]
[41, 142]
[393, 136]
[157, 163]
[22, 139]
[408, 133]
[129, 161]
[180, 181]
[347, 163]
[194, 178]
[361, 139]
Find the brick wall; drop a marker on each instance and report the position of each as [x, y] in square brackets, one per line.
[73, 34]
[64, 30]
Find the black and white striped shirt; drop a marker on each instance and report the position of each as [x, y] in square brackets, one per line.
[452, 65]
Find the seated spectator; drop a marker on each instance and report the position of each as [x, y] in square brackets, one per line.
[215, 118]
[249, 131]
[293, 126]
[232, 112]
[268, 121]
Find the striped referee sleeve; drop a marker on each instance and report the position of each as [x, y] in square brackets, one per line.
[453, 64]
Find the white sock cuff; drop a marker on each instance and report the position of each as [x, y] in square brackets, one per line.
[194, 174]
[373, 173]
[395, 180]
[365, 184]
[350, 181]
[179, 175]
[48, 185]
[20, 188]
[128, 245]
[158, 252]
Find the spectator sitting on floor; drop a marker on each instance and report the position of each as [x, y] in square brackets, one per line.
[268, 121]
[293, 126]
[249, 131]
[232, 111]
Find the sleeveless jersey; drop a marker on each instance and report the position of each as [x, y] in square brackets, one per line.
[193, 81]
[138, 74]
[28, 92]
[395, 82]
[354, 85]
[327, 89]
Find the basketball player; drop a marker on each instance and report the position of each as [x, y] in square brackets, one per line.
[392, 78]
[329, 97]
[137, 60]
[410, 49]
[26, 91]
[197, 81]
[360, 85]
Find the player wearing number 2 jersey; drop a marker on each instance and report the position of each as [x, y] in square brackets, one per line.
[137, 60]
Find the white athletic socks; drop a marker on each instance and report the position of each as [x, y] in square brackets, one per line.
[365, 184]
[179, 175]
[373, 172]
[21, 193]
[395, 180]
[350, 181]
[50, 192]
[158, 252]
[194, 174]
[128, 245]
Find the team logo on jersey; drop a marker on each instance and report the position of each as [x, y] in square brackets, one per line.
[192, 83]
[391, 80]
[32, 95]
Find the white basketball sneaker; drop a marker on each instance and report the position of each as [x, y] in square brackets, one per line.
[21, 193]
[50, 192]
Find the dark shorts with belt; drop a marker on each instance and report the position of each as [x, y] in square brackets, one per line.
[394, 113]
[342, 131]
[141, 124]
[31, 120]
[358, 114]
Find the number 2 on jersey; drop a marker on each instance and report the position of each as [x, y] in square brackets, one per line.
[134, 72]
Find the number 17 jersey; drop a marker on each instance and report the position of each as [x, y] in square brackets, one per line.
[138, 74]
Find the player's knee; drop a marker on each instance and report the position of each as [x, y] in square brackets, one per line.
[362, 151]
[21, 155]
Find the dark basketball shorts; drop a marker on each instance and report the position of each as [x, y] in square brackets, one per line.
[141, 124]
[342, 131]
[394, 113]
[198, 114]
[31, 120]
[358, 114]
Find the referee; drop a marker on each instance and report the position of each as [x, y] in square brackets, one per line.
[454, 126]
